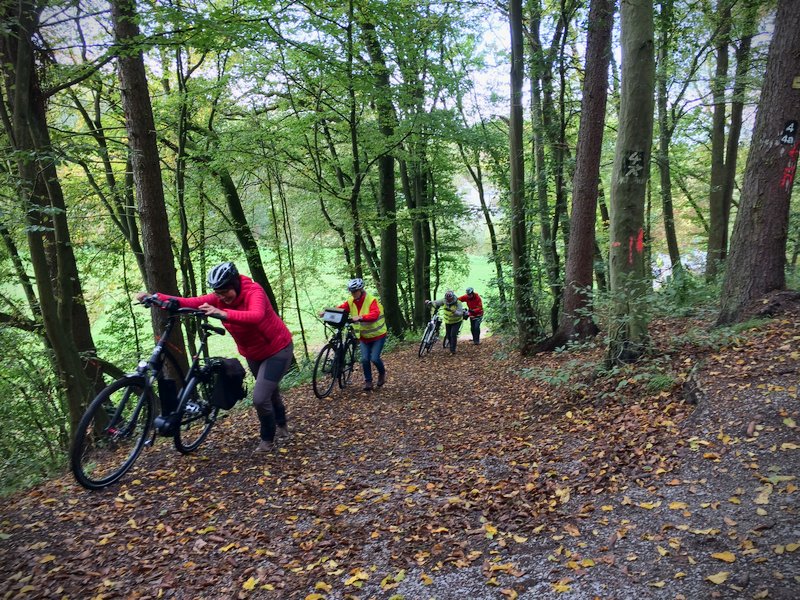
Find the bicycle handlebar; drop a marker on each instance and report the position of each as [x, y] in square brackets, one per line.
[172, 307]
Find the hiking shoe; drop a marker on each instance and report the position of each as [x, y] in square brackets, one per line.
[282, 432]
[381, 379]
[265, 446]
[367, 386]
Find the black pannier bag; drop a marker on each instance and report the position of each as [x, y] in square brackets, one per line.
[228, 382]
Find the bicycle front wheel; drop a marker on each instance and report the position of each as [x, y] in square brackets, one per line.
[197, 418]
[427, 341]
[349, 359]
[325, 371]
[111, 433]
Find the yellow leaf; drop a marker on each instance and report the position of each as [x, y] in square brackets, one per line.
[315, 597]
[340, 509]
[250, 584]
[727, 557]
[763, 496]
[606, 508]
[520, 539]
[47, 558]
[563, 494]
[662, 551]
[426, 580]
[792, 547]
[228, 547]
[679, 575]
[562, 585]
[27, 589]
[509, 593]
[789, 422]
[658, 584]
[490, 529]
[128, 496]
[587, 562]
[321, 585]
[678, 505]
[789, 446]
[650, 505]
[718, 578]
[357, 577]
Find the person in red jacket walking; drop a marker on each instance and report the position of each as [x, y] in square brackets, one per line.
[366, 313]
[475, 306]
[261, 337]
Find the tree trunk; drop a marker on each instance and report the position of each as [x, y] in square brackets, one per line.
[387, 201]
[629, 281]
[737, 109]
[758, 244]
[519, 254]
[665, 30]
[716, 201]
[60, 300]
[158, 257]
[575, 321]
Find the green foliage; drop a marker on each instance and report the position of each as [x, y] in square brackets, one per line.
[33, 434]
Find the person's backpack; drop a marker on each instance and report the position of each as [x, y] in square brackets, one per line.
[228, 385]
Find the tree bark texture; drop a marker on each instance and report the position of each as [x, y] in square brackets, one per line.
[580, 260]
[758, 244]
[629, 280]
[519, 253]
[717, 233]
[159, 259]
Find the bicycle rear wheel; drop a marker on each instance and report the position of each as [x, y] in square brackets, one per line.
[348, 363]
[325, 371]
[197, 419]
[427, 341]
[111, 433]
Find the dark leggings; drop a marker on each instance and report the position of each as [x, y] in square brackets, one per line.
[266, 395]
[451, 335]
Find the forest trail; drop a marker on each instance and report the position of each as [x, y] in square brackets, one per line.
[461, 478]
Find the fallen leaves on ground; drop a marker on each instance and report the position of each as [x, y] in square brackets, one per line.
[462, 477]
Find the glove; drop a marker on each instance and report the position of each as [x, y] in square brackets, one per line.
[171, 305]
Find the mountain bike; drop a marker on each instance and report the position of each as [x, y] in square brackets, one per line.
[117, 424]
[432, 333]
[336, 360]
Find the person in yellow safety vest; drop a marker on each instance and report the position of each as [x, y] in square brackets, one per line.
[370, 325]
[454, 313]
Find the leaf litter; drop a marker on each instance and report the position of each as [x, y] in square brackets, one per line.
[461, 478]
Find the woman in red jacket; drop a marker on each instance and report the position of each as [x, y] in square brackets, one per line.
[261, 337]
[475, 305]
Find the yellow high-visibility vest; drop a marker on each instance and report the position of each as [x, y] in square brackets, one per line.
[371, 329]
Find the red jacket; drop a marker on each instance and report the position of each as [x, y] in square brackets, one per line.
[372, 315]
[475, 304]
[255, 327]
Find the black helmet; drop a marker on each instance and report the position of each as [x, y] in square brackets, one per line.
[355, 284]
[470, 290]
[450, 297]
[224, 275]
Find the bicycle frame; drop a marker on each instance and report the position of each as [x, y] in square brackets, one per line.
[151, 368]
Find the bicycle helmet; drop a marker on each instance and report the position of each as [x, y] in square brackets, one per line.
[224, 275]
[470, 290]
[355, 284]
[450, 297]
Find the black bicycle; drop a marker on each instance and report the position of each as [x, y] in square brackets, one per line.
[337, 359]
[432, 333]
[116, 425]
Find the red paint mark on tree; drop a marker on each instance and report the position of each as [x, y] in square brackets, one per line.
[640, 241]
[630, 250]
[787, 178]
[616, 244]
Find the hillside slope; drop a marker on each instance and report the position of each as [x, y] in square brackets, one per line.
[462, 478]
